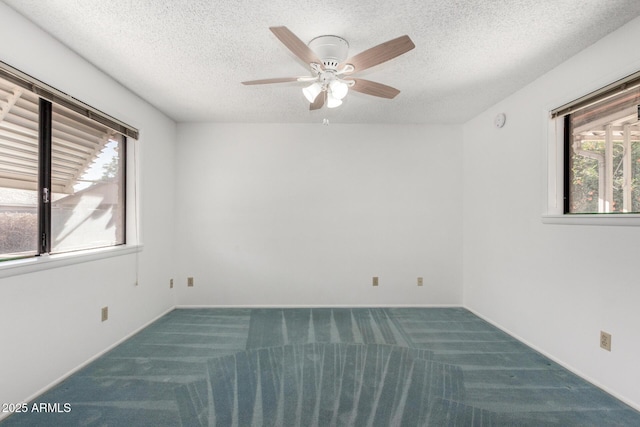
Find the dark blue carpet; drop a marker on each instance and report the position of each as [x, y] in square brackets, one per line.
[325, 367]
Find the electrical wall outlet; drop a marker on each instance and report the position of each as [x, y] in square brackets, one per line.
[605, 340]
[105, 313]
[375, 281]
[420, 281]
[189, 281]
[170, 283]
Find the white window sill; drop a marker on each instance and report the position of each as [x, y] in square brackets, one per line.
[629, 220]
[45, 262]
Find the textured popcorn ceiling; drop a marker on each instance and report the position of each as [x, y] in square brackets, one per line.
[188, 57]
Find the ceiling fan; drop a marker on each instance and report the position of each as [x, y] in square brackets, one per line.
[331, 71]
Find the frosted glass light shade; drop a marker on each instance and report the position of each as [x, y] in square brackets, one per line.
[332, 101]
[312, 91]
[338, 89]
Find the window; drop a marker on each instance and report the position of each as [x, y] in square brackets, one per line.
[87, 183]
[601, 150]
[62, 172]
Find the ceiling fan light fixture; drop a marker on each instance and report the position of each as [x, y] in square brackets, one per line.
[312, 91]
[328, 61]
[332, 101]
[339, 89]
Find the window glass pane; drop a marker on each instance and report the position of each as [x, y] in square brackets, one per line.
[604, 162]
[18, 171]
[87, 209]
[18, 223]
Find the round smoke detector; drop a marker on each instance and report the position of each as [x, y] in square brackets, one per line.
[332, 50]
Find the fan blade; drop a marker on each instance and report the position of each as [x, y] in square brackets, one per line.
[318, 102]
[269, 81]
[379, 54]
[295, 45]
[375, 89]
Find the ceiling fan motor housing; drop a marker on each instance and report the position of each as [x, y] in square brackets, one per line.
[332, 50]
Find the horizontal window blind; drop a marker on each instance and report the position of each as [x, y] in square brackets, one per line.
[78, 138]
[615, 88]
[60, 98]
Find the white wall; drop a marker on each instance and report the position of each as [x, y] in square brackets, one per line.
[306, 214]
[51, 319]
[554, 286]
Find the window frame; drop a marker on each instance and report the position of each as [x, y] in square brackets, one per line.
[557, 152]
[43, 259]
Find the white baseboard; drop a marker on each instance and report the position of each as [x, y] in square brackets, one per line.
[87, 362]
[558, 361]
[507, 331]
[324, 306]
